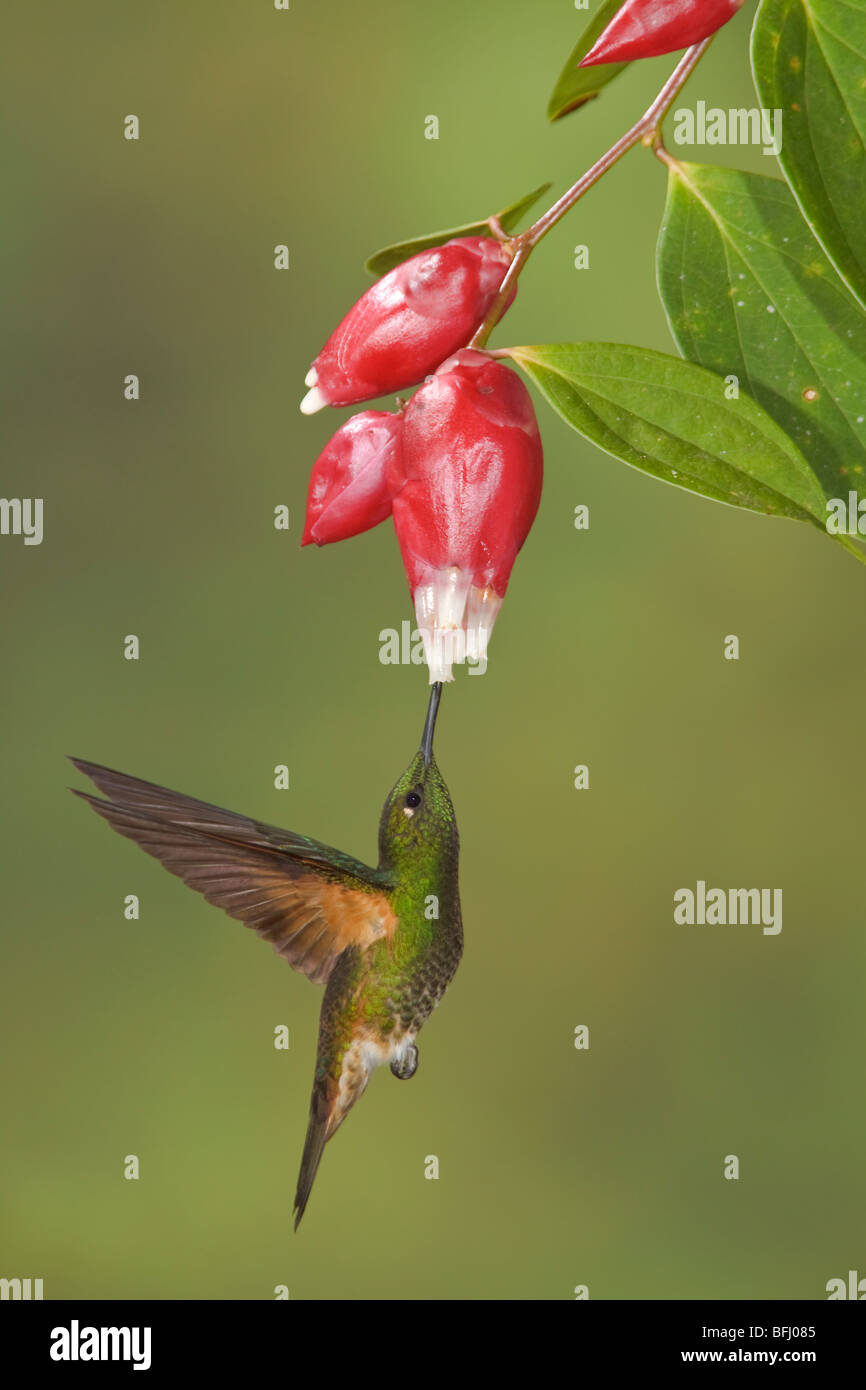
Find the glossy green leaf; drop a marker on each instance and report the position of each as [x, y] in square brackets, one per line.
[576, 86]
[675, 421]
[809, 62]
[509, 218]
[749, 293]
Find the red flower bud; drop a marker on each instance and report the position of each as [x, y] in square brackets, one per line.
[472, 461]
[646, 28]
[408, 322]
[352, 479]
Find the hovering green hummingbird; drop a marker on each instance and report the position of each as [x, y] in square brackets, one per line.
[386, 942]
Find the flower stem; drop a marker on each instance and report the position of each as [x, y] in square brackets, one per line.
[646, 131]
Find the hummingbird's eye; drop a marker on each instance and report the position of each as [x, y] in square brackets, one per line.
[413, 799]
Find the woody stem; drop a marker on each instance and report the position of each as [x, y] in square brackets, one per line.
[647, 131]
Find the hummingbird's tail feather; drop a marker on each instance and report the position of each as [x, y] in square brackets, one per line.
[329, 1105]
[346, 1054]
[318, 1134]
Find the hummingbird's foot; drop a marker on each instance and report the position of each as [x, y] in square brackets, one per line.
[407, 1065]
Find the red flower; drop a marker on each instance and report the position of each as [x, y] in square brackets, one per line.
[646, 28]
[350, 486]
[470, 465]
[408, 322]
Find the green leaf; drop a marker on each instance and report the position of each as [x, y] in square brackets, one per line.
[576, 86]
[809, 61]
[749, 293]
[674, 421]
[509, 217]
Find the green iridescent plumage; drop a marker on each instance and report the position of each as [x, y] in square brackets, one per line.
[386, 941]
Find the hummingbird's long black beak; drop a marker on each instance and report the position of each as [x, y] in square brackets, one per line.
[430, 722]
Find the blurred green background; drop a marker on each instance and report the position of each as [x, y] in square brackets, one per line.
[155, 1037]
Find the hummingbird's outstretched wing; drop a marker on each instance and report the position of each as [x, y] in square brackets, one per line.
[309, 901]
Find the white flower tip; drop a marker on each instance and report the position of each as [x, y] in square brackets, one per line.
[476, 643]
[455, 618]
[312, 377]
[313, 401]
[438, 647]
[482, 610]
[440, 670]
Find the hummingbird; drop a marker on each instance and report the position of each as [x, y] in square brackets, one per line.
[385, 942]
